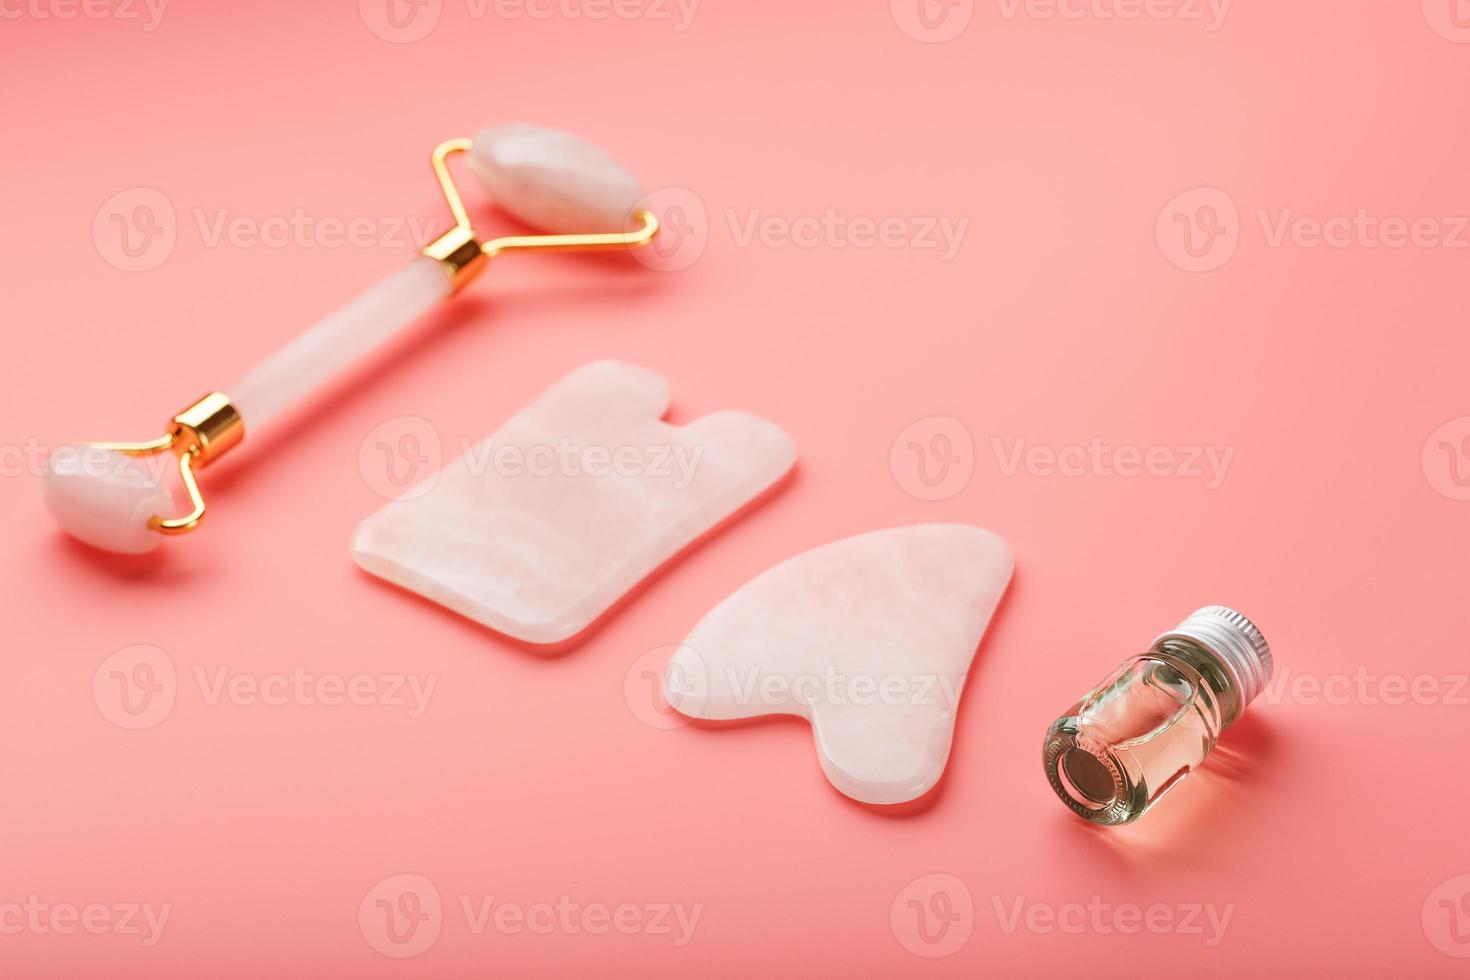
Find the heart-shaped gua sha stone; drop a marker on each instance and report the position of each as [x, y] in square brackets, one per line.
[553, 180]
[104, 498]
[540, 529]
[869, 638]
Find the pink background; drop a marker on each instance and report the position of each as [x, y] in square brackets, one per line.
[1332, 826]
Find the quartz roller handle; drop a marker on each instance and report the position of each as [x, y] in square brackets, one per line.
[338, 340]
[104, 495]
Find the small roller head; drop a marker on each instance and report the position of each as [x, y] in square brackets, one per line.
[104, 498]
[553, 180]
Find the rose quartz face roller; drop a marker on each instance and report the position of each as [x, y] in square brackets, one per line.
[103, 493]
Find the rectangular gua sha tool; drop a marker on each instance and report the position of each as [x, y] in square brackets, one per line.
[584, 199]
[540, 529]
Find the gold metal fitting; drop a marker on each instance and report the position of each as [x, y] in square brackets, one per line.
[212, 426]
[464, 256]
[198, 435]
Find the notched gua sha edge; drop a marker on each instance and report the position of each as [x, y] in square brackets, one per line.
[542, 556]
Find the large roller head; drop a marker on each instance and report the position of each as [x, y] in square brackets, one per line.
[553, 180]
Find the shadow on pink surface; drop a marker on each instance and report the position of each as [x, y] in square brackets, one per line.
[1215, 811]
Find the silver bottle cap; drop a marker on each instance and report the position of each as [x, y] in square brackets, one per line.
[1235, 641]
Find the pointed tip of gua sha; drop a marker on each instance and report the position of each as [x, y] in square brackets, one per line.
[104, 498]
[869, 638]
[554, 180]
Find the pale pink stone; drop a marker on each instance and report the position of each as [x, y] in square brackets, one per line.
[328, 347]
[553, 180]
[538, 548]
[869, 638]
[105, 498]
